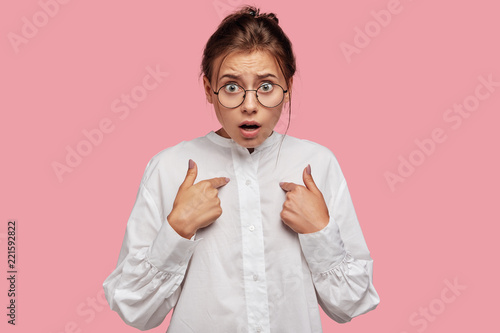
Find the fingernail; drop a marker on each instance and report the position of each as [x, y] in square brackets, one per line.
[227, 180]
[281, 183]
[308, 169]
[191, 164]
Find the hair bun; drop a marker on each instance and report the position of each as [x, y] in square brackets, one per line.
[273, 17]
[255, 12]
[250, 10]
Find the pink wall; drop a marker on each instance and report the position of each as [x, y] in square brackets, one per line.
[405, 93]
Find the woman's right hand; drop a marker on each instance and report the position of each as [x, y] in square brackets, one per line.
[196, 205]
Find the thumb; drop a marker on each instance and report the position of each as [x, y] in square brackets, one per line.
[191, 175]
[308, 180]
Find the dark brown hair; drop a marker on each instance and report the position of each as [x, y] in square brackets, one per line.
[248, 30]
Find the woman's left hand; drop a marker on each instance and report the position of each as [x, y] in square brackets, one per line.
[304, 209]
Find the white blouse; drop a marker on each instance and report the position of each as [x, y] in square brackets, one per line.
[248, 271]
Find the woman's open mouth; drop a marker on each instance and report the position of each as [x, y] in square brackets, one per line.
[250, 130]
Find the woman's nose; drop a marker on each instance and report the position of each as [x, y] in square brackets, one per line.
[250, 103]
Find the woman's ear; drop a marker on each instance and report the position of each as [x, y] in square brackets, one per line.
[208, 89]
[289, 90]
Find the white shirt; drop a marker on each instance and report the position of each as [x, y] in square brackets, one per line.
[248, 271]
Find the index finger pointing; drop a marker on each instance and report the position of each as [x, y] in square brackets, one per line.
[287, 187]
[218, 181]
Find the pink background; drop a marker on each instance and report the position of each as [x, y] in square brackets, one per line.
[368, 107]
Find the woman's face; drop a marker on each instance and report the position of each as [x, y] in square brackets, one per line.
[250, 71]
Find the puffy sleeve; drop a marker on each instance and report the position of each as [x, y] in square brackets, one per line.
[337, 255]
[146, 282]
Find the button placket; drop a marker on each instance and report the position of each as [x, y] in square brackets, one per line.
[246, 167]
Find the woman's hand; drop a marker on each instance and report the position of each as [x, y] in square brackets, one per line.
[304, 209]
[195, 206]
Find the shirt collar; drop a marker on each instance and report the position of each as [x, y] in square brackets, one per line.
[227, 142]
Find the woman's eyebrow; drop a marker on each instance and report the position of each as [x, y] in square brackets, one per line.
[230, 76]
[237, 77]
[263, 76]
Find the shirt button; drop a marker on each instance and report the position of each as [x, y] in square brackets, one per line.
[255, 277]
[248, 182]
[259, 329]
[251, 228]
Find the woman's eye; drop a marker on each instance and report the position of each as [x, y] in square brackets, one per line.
[266, 87]
[232, 88]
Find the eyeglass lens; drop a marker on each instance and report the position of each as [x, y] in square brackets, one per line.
[269, 95]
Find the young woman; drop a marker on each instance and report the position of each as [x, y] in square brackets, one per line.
[261, 228]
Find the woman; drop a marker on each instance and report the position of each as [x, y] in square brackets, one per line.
[257, 242]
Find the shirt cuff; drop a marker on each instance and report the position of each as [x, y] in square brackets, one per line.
[170, 252]
[323, 249]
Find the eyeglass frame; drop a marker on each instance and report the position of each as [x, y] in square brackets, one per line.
[245, 95]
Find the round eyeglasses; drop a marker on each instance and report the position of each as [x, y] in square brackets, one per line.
[232, 95]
